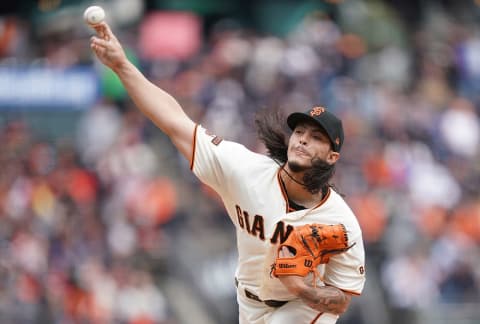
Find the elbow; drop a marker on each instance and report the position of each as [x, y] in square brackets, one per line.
[328, 300]
[343, 307]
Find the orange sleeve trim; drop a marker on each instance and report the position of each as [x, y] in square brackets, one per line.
[285, 196]
[344, 290]
[194, 147]
[324, 199]
[316, 318]
[350, 292]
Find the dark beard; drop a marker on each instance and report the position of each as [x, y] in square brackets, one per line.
[296, 168]
[318, 176]
[315, 177]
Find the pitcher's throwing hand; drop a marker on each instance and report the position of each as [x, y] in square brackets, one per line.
[107, 47]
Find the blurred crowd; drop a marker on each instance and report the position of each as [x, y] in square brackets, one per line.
[90, 227]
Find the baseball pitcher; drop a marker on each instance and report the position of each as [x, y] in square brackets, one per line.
[301, 255]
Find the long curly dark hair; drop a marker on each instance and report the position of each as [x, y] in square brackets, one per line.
[273, 132]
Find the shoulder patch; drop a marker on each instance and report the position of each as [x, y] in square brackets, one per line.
[217, 140]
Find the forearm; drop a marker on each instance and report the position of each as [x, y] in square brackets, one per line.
[157, 105]
[325, 299]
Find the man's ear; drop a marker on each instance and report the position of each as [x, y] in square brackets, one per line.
[333, 157]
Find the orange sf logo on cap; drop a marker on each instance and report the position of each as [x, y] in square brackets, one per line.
[316, 111]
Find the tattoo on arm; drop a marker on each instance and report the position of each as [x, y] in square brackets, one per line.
[326, 299]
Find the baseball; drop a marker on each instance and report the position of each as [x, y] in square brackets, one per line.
[94, 15]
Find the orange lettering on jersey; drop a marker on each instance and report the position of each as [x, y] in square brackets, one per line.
[256, 229]
[258, 226]
[246, 217]
[239, 216]
[361, 269]
[280, 233]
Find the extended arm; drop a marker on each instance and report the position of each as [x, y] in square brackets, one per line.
[159, 106]
[327, 299]
[324, 299]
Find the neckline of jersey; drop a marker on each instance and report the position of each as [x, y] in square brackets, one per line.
[289, 208]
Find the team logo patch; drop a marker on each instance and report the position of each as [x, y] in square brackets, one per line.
[317, 111]
[217, 140]
[361, 269]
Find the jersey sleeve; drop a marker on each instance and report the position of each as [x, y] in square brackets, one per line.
[216, 161]
[346, 271]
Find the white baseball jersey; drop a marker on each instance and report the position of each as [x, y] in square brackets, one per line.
[249, 185]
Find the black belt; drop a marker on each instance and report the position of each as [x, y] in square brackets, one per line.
[269, 302]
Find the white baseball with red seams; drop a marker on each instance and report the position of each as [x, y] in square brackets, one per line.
[94, 15]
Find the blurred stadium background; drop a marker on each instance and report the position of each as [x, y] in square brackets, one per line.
[102, 222]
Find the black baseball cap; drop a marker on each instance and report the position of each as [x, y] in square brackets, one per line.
[325, 119]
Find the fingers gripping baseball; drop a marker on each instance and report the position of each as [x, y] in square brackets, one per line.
[107, 47]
